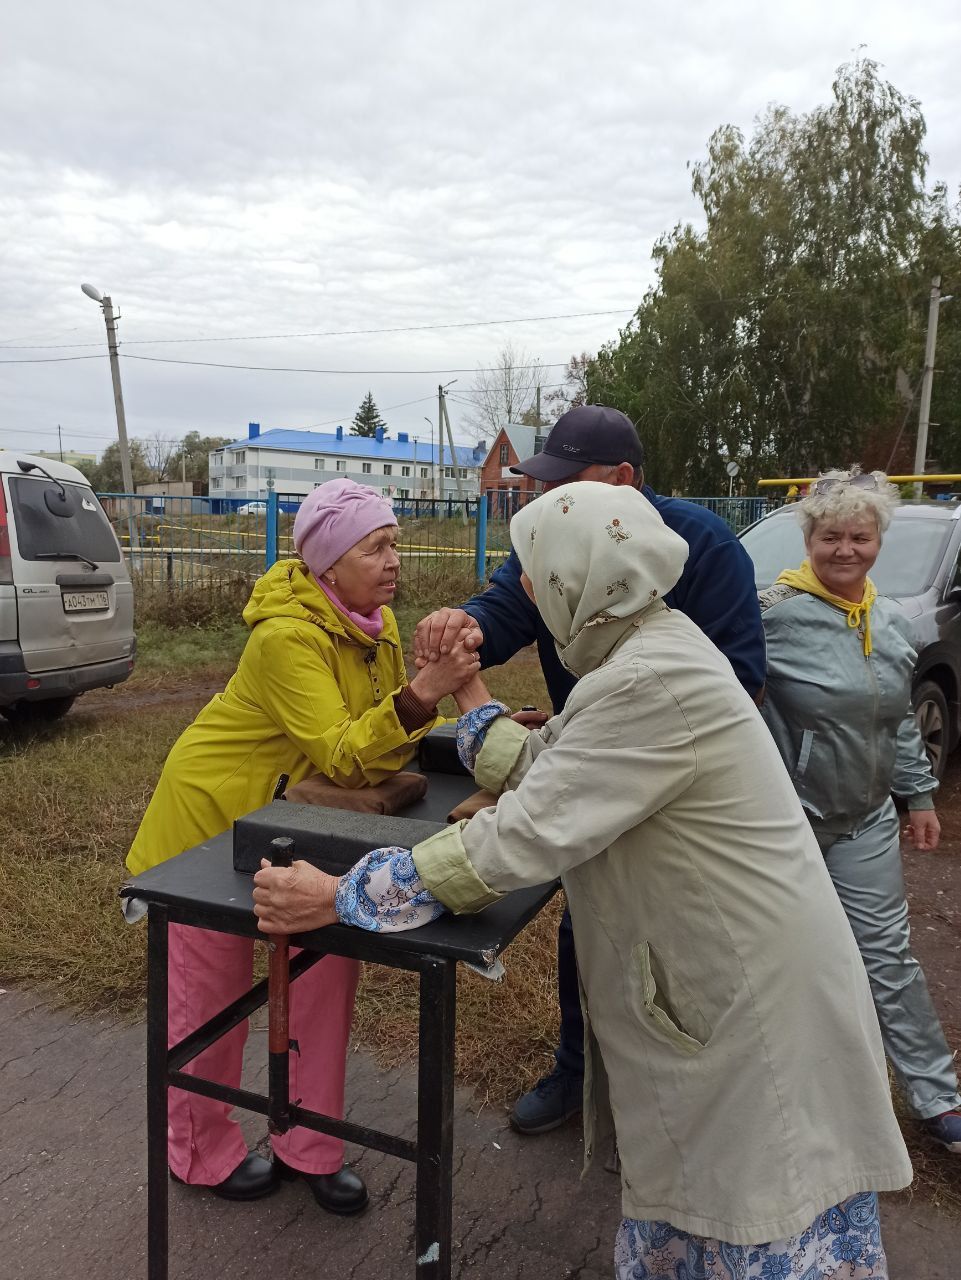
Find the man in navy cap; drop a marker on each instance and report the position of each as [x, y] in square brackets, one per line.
[716, 590]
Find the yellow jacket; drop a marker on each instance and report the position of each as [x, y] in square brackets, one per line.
[312, 694]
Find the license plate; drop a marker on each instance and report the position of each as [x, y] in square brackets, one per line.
[85, 601]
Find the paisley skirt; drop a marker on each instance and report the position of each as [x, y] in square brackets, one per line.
[844, 1243]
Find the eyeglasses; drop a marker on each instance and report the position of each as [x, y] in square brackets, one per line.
[863, 480]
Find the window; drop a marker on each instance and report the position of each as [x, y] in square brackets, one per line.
[41, 533]
[342, 464]
[239, 482]
[365, 467]
[403, 493]
[388, 469]
[505, 454]
[405, 471]
[462, 472]
[423, 473]
[318, 464]
[448, 473]
[240, 458]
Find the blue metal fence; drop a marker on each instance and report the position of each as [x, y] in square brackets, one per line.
[181, 543]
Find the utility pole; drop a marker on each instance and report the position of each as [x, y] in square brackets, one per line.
[439, 474]
[441, 416]
[60, 440]
[538, 406]
[110, 319]
[927, 379]
[453, 458]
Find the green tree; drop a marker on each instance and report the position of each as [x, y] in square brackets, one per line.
[777, 335]
[367, 418]
[191, 457]
[107, 475]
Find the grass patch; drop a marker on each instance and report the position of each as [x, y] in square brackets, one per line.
[214, 604]
[187, 651]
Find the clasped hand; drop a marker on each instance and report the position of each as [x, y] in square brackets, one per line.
[448, 660]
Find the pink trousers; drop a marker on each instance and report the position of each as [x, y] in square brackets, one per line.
[208, 970]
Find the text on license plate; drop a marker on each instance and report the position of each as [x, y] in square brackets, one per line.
[81, 601]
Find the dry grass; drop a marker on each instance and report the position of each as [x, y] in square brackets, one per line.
[506, 1031]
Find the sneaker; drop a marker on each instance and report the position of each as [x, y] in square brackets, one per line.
[945, 1129]
[555, 1099]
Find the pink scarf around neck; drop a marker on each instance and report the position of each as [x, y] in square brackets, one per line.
[372, 624]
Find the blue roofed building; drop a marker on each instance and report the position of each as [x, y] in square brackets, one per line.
[298, 461]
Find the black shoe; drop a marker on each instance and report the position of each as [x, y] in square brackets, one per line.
[253, 1179]
[555, 1099]
[340, 1192]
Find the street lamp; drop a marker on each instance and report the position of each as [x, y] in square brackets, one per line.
[110, 319]
[433, 482]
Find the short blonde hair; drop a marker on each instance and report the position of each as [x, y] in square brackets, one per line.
[846, 502]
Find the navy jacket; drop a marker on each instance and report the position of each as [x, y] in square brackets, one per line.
[716, 590]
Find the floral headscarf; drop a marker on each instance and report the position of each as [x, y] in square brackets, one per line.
[598, 556]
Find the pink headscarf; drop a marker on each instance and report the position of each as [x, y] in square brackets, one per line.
[333, 518]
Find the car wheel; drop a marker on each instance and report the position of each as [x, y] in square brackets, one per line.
[25, 714]
[931, 713]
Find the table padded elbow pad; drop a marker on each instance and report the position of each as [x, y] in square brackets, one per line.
[332, 839]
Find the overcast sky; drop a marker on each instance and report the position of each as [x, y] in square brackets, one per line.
[234, 169]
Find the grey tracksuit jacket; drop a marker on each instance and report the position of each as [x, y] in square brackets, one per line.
[843, 722]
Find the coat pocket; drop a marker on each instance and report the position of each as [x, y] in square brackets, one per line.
[667, 1008]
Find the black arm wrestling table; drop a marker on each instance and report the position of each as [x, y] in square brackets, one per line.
[201, 888]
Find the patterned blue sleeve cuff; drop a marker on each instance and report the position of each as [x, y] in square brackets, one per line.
[472, 730]
[384, 893]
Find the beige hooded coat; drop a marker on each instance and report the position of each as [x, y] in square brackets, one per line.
[730, 1033]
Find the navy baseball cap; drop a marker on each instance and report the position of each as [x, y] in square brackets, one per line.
[585, 435]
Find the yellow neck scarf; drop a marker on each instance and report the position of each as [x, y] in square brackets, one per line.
[805, 579]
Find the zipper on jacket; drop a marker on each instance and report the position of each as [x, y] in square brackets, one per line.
[876, 699]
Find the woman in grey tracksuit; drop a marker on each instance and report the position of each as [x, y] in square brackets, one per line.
[840, 662]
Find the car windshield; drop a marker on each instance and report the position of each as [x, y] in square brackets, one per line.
[907, 565]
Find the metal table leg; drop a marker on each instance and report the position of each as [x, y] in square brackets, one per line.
[435, 1120]
[157, 1245]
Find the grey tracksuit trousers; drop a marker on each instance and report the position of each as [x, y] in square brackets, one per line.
[865, 866]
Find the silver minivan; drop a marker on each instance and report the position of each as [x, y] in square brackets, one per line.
[66, 600]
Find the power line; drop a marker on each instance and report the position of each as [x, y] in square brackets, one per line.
[350, 373]
[53, 359]
[93, 435]
[335, 333]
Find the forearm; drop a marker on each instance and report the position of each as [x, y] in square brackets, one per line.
[471, 695]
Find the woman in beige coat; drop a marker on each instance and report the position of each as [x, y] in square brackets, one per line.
[731, 1038]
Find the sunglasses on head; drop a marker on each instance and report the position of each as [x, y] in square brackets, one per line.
[863, 480]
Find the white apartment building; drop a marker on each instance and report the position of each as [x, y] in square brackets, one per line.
[297, 461]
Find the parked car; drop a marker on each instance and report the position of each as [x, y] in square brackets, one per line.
[252, 508]
[66, 600]
[919, 567]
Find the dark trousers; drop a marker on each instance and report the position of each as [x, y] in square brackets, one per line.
[570, 1049]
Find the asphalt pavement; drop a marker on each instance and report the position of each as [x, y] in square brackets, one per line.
[73, 1190]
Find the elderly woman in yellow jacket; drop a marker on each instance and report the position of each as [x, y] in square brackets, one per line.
[321, 687]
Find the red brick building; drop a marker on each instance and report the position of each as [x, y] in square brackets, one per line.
[512, 444]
